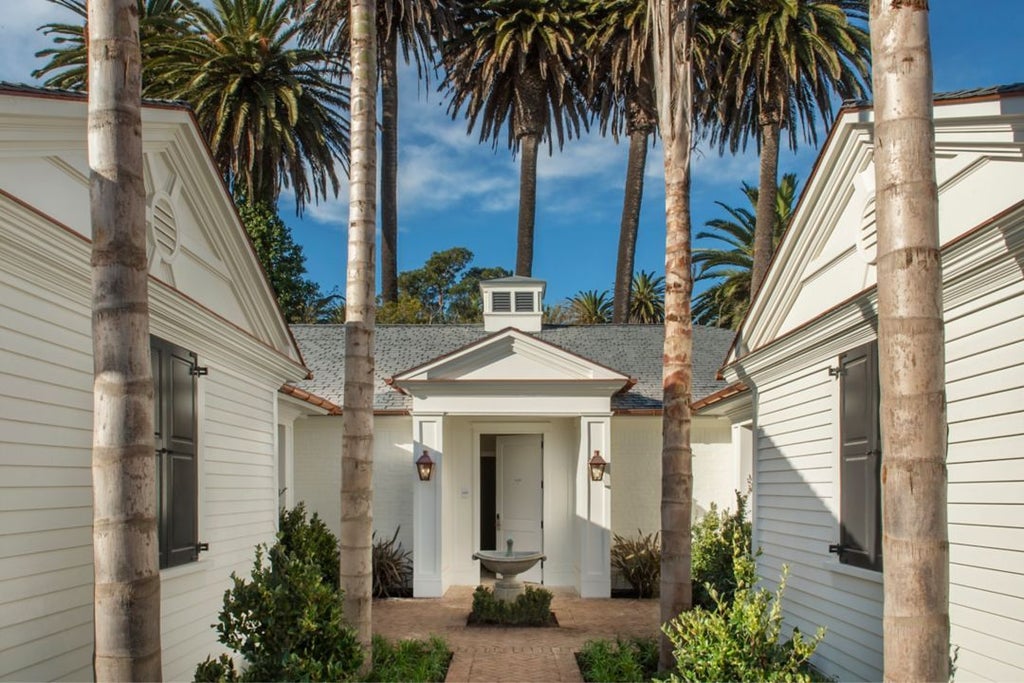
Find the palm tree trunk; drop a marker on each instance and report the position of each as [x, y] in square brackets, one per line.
[630, 223]
[127, 575]
[357, 440]
[915, 542]
[767, 188]
[389, 169]
[673, 85]
[527, 204]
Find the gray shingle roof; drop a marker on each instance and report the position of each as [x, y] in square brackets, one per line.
[633, 350]
[953, 95]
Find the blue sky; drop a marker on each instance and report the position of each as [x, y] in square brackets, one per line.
[455, 191]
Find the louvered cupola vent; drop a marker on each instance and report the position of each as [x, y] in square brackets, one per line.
[513, 302]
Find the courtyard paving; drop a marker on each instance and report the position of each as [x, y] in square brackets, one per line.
[514, 654]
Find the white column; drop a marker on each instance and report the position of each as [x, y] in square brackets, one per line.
[428, 435]
[594, 508]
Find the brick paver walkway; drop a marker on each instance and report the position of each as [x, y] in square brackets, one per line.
[514, 654]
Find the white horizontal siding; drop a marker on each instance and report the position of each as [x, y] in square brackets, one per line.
[985, 394]
[318, 473]
[796, 520]
[795, 479]
[45, 483]
[46, 497]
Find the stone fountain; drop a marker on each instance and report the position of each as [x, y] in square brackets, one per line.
[509, 564]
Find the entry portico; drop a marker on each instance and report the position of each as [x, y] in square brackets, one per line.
[465, 408]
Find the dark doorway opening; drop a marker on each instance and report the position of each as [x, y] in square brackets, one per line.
[488, 497]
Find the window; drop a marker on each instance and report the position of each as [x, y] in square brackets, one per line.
[175, 372]
[860, 456]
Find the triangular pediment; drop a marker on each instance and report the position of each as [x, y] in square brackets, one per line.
[196, 243]
[828, 254]
[510, 356]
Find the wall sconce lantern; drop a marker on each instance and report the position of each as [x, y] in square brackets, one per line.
[597, 466]
[424, 466]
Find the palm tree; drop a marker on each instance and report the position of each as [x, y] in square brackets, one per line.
[782, 61]
[590, 307]
[647, 298]
[915, 539]
[725, 303]
[124, 532]
[272, 114]
[516, 62]
[673, 78]
[158, 21]
[357, 440]
[622, 92]
[416, 26]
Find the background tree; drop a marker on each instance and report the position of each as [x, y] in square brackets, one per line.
[432, 283]
[911, 349]
[357, 441]
[444, 290]
[724, 303]
[466, 303]
[124, 532]
[673, 79]
[621, 89]
[647, 298]
[517, 62]
[781, 63]
[590, 307]
[282, 260]
[273, 115]
[416, 26]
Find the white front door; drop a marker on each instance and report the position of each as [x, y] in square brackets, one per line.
[520, 496]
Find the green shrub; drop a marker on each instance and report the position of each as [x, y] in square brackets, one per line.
[738, 640]
[311, 540]
[392, 567]
[632, 659]
[717, 539]
[638, 560]
[419, 661]
[286, 619]
[220, 670]
[532, 608]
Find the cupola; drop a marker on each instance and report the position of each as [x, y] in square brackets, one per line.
[513, 302]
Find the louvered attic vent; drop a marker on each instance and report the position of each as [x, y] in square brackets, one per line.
[501, 302]
[524, 302]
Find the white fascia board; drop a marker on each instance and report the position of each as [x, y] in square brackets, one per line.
[484, 390]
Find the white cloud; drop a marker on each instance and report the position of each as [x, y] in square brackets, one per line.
[20, 39]
[592, 157]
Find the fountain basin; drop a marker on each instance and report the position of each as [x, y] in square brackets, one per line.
[509, 564]
[506, 564]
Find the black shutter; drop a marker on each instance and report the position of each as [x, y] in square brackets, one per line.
[160, 390]
[860, 456]
[176, 451]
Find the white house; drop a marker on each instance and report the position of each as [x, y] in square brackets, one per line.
[221, 354]
[511, 412]
[806, 351]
